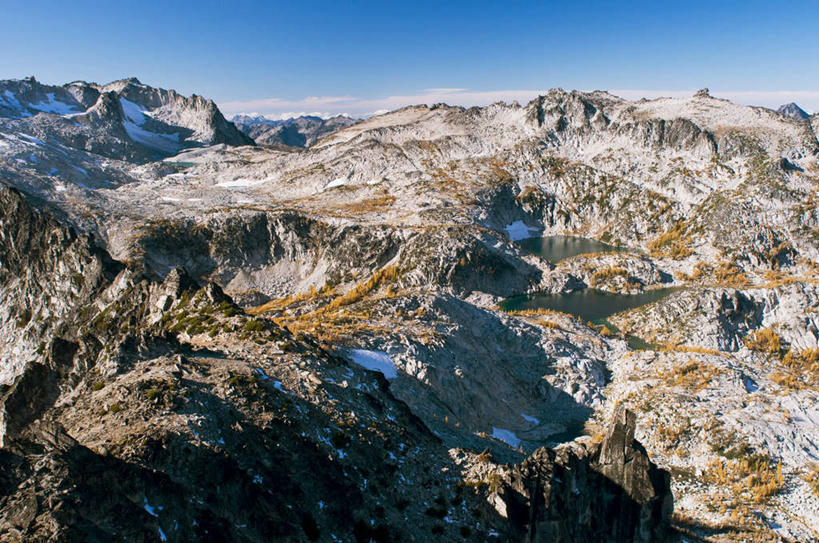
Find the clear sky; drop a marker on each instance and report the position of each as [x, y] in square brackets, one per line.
[360, 57]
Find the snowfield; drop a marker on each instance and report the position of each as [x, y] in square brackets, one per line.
[375, 361]
[519, 230]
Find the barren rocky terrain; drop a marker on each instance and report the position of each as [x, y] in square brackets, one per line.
[203, 321]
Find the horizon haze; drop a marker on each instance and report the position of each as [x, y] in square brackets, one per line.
[365, 58]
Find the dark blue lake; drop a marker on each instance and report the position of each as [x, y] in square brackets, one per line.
[589, 304]
[556, 248]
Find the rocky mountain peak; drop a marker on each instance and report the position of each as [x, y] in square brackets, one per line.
[107, 108]
[126, 117]
[793, 111]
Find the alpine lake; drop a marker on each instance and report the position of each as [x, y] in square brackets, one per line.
[591, 305]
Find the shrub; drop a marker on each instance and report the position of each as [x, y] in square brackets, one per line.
[605, 331]
[381, 533]
[494, 481]
[787, 380]
[310, 527]
[813, 479]
[764, 340]
[340, 440]
[255, 325]
[380, 277]
[730, 275]
[693, 375]
[807, 361]
[751, 478]
[601, 276]
[24, 317]
[288, 347]
[671, 243]
[801, 369]
[671, 347]
[362, 531]
[436, 512]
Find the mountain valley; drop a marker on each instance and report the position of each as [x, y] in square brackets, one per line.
[313, 329]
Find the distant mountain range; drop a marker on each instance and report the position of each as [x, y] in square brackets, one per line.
[295, 132]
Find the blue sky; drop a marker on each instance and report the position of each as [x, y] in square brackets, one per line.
[361, 57]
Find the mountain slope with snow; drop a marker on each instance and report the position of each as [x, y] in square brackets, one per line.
[294, 132]
[123, 119]
[396, 236]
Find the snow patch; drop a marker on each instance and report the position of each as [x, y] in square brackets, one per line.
[149, 508]
[168, 143]
[335, 183]
[31, 140]
[529, 418]
[11, 100]
[241, 183]
[53, 106]
[519, 230]
[375, 361]
[507, 436]
[132, 112]
[135, 118]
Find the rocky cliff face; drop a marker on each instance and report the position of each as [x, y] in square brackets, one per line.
[50, 274]
[547, 497]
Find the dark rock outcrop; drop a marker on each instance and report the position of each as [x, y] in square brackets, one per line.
[583, 491]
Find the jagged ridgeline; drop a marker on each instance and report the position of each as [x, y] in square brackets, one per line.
[433, 324]
[296, 132]
[123, 120]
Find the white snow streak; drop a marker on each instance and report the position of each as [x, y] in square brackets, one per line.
[375, 361]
